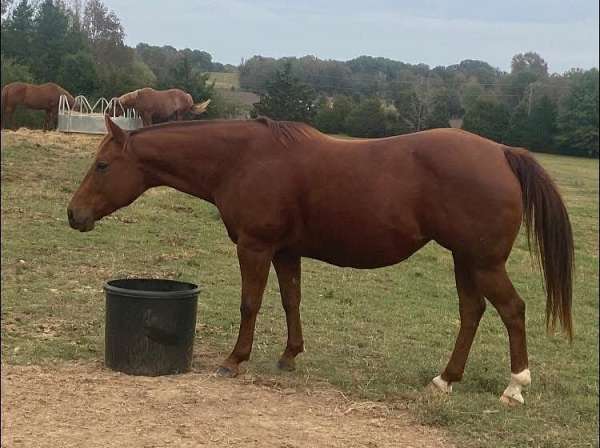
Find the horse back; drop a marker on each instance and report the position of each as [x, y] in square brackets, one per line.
[163, 102]
[373, 203]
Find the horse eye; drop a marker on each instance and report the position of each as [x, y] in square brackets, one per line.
[101, 166]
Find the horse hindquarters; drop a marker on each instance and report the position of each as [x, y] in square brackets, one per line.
[548, 224]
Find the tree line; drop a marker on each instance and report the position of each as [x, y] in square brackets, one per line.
[80, 45]
[377, 97]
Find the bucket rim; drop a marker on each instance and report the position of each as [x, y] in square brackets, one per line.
[192, 292]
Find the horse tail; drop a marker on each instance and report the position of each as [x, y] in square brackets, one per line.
[200, 108]
[547, 224]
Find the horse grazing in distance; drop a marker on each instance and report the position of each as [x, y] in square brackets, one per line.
[161, 104]
[286, 191]
[44, 96]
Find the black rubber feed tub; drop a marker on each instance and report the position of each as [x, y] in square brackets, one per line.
[150, 326]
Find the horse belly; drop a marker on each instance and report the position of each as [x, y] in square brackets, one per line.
[374, 257]
[363, 240]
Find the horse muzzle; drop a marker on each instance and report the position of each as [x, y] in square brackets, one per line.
[84, 222]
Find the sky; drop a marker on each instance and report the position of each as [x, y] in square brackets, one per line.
[434, 32]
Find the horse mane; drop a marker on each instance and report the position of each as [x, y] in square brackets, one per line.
[285, 132]
[128, 95]
[288, 131]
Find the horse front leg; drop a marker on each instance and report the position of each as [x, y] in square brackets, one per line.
[288, 270]
[146, 119]
[254, 267]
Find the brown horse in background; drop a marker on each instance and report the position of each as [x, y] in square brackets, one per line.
[44, 96]
[286, 191]
[161, 104]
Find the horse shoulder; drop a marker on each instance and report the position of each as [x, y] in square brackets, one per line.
[260, 201]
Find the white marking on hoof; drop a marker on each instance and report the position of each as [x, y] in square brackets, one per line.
[512, 394]
[441, 384]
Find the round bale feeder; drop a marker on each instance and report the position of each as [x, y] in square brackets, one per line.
[86, 119]
[150, 326]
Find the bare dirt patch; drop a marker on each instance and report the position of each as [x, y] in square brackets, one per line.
[74, 405]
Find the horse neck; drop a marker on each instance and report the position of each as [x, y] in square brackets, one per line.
[176, 157]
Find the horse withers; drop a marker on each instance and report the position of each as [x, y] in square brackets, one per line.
[41, 97]
[286, 191]
[161, 104]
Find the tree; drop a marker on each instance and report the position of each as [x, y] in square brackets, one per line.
[102, 25]
[410, 102]
[332, 114]
[472, 90]
[529, 62]
[286, 98]
[6, 4]
[160, 60]
[49, 41]
[368, 119]
[13, 71]
[578, 114]
[256, 72]
[542, 125]
[518, 133]
[17, 33]
[192, 81]
[78, 74]
[488, 118]
[438, 114]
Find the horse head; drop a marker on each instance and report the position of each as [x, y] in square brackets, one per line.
[114, 180]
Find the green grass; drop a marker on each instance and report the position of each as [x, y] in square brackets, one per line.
[375, 334]
[224, 80]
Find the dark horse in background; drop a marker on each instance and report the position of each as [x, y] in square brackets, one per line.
[44, 96]
[286, 191]
[161, 104]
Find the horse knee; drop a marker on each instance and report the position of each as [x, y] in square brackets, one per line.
[248, 309]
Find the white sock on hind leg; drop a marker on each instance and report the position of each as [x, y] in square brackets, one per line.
[515, 387]
[442, 384]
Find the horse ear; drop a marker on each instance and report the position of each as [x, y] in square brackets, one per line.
[114, 130]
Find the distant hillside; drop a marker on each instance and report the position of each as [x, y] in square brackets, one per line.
[224, 80]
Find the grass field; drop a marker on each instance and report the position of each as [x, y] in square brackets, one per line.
[374, 334]
[224, 80]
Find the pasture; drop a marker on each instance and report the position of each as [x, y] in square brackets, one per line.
[378, 335]
[224, 80]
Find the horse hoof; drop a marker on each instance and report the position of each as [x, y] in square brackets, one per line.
[288, 365]
[226, 372]
[439, 385]
[512, 401]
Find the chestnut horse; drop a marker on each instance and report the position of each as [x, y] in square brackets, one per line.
[286, 191]
[43, 96]
[161, 104]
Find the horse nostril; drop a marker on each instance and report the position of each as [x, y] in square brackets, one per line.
[70, 215]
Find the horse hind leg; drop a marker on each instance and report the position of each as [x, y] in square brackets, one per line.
[493, 283]
[7, 117]
[471, 309]
[47, 120]
[497, 287]
[288, 270]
